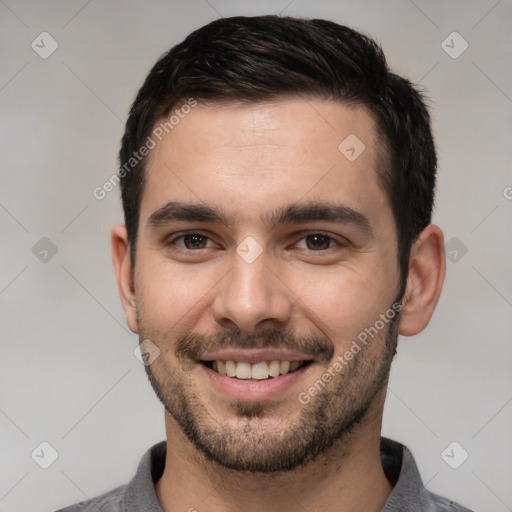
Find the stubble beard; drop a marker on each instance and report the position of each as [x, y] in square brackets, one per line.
[253, 440]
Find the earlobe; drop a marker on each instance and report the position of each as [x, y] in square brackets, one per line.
[427, 267]
[124, 274]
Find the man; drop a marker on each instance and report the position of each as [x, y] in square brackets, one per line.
[277, 184]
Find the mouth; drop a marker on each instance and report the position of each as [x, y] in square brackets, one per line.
[254, 374]
[258, 371]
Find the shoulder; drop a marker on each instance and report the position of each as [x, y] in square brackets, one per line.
[409, 492]
[107, 502]
[138, 494]
[437, 503]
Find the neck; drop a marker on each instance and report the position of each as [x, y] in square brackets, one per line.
[349, 477]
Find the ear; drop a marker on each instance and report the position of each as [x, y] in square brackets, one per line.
[124, 273]
[427, 267]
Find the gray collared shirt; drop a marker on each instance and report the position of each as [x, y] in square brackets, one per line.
[409, 493]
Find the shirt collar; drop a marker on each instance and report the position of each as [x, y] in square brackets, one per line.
[397, 461]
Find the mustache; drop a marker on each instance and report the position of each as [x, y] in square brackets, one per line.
[192, 345]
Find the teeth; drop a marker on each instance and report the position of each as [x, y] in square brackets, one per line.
[230, 369]
[294, 365]
[284, 366]
[273, 369]
[243, 370]
[257, 371]
[221, 367]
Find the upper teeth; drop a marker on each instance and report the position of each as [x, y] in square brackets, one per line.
[263, 370]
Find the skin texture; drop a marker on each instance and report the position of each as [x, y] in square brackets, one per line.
[250, 161]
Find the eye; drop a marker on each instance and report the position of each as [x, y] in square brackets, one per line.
[317, 242]
[191, 241]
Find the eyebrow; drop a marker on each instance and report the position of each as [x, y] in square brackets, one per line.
[295, 213]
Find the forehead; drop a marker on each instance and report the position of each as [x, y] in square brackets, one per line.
[266, 154]
[300, 123]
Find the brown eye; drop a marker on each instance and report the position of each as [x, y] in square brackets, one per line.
[194, 241]
[318, 242]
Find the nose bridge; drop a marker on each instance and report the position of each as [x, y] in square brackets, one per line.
[250, 293]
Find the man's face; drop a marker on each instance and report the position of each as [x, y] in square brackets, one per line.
[260, 240]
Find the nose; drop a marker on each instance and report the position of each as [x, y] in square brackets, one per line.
[251, 297]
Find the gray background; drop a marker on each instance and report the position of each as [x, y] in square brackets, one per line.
[68, 375]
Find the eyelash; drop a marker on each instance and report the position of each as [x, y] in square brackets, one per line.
[305, 235]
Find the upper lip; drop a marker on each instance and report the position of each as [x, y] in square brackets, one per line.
[253, 355]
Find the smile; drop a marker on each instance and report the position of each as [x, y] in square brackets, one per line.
[254, 371]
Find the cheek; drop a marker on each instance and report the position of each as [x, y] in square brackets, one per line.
[342, 303]
[171, 294]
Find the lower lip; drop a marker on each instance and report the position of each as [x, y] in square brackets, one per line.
[252, 389]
